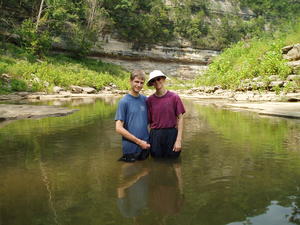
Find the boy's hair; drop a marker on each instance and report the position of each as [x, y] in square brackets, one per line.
[138, 73]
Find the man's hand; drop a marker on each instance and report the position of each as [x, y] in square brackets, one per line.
[143, 144]
[177, 146]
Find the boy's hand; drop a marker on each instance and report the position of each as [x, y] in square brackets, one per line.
[143, 144]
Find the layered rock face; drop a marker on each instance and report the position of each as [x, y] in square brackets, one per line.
[181, 62]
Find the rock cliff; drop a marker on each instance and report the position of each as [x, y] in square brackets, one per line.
[181, 62]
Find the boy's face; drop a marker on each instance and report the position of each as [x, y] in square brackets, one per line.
[137, 84]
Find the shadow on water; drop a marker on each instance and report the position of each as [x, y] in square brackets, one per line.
[236, 168]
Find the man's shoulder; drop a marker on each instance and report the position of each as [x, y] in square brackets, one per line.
[125, 99]
[172, 93]
[144, 97]
[151, 97]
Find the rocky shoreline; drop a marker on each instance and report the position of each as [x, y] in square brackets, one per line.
[238, 96]
[264, 103]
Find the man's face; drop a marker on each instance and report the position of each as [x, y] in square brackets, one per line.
[158, 82]
[137, 84]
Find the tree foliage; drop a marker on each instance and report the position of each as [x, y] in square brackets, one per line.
[142, 22]
[80, 23]
[273, 9]
[75, 22]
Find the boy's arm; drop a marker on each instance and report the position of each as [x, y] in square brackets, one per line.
[126, 134]
[132, 181]
[177, 145]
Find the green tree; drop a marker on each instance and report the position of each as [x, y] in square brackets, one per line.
[141, 22]
[273, 9]
[32, 39]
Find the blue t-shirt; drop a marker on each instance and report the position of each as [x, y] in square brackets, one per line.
[133, 112]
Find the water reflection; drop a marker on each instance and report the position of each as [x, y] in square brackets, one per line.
[239, 163]
[236, 168]
[275, 215]
[166, 195]
[133, 190]
[153, 187]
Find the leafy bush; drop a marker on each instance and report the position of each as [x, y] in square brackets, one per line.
[258, 57]
[18, 85]
[32, 40]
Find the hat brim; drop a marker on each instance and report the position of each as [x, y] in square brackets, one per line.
[149, 82]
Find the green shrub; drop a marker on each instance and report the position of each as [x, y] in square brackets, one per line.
[18, 85]
[257, 57]
[32, 40]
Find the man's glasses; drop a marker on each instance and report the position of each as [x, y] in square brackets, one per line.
[156, 79]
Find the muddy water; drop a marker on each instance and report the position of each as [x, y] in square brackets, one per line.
[236, 168]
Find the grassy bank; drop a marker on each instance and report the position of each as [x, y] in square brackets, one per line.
[251, 58]
[29, 73]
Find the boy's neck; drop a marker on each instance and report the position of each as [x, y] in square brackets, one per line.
[161, 92]
[133, 93]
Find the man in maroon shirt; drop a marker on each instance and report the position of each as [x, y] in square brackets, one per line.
[165, 115]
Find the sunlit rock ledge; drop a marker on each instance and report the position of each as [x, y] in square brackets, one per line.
[180, 60]
[122, 50]
[279, 109]
[14, 112]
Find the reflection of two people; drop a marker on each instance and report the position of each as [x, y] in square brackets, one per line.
[156, 186]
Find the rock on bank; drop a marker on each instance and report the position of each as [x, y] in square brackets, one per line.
[14, 112]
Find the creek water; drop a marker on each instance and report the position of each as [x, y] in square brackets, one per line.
[236, 168]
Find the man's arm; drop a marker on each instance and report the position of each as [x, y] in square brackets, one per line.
[177, 145]
[126, 134]
[177, 168]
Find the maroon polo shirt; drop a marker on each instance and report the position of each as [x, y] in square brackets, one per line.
[163, 111]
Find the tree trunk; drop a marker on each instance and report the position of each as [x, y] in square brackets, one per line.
[39, 15]
[93, 5]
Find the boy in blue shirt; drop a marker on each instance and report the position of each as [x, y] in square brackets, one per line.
[132, 120]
